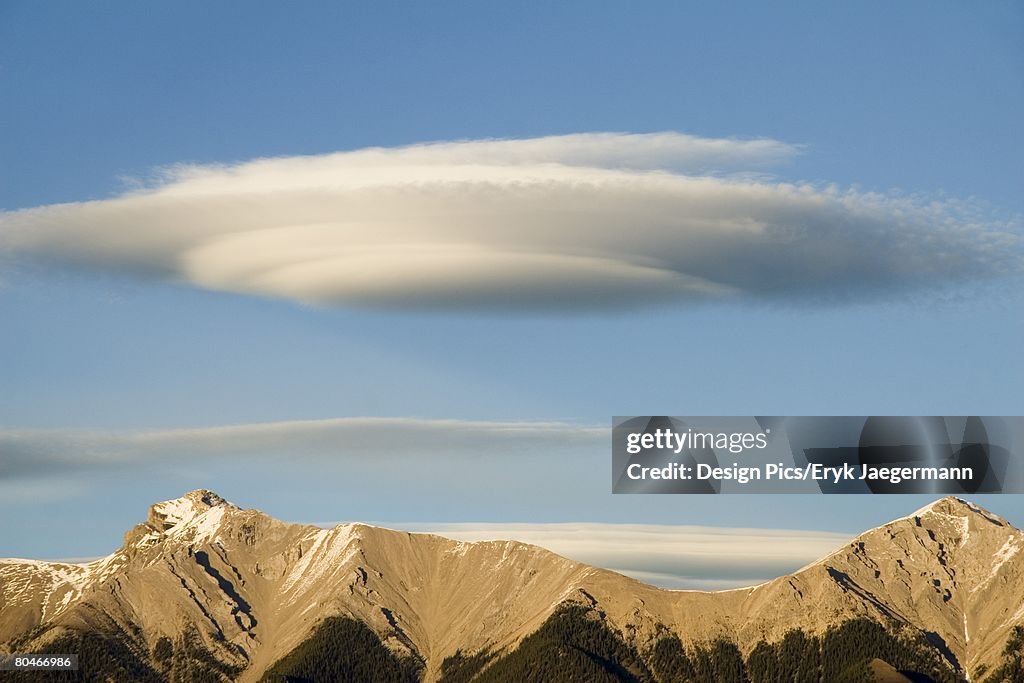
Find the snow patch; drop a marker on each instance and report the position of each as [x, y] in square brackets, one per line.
[749, 589]
[38, 582]
[176, 511]
[1017, 616]
[927, 509]
[104, 567]
[208, 523]
[187, 510]
[459, 549]
[65, 601]
[331, 549]
[962, 524]
[1001, 557]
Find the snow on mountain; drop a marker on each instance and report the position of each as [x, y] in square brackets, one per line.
[251, 588]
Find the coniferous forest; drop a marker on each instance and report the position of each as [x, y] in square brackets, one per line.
[575, 644]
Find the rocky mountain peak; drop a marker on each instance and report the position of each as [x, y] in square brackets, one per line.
[950, 505]
[957, 519]
[170, 514]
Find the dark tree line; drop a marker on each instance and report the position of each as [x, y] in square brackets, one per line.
[109, 653]
[462, 668]
[575, 644]
[844, 653]
[343, 649]
[101, 657]
[572, 645]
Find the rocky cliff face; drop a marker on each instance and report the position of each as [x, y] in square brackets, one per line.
[201, 575]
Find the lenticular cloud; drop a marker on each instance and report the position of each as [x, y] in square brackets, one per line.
[574, 222]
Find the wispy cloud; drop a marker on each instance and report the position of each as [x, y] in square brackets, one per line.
[589, 221]
[42, 452]
[671, 556]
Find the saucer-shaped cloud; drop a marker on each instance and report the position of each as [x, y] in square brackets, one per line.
[573, 222]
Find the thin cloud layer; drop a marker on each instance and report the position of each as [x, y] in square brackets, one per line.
[575, 222]
[41, 452]
[671, 556]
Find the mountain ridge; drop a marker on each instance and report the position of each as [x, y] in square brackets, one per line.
[253, 588]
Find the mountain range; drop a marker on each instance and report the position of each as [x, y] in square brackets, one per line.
[205, 590]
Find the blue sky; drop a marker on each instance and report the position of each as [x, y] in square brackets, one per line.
[917, 104]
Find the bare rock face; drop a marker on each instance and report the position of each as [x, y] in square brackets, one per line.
[246, 589]
[950, 569]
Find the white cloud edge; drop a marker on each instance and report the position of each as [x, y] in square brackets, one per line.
[573, 222]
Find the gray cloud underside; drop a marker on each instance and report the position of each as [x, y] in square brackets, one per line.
[671, 556]
[590, 221]
[25, 453]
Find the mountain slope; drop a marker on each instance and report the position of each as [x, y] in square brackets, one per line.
[203, 580]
